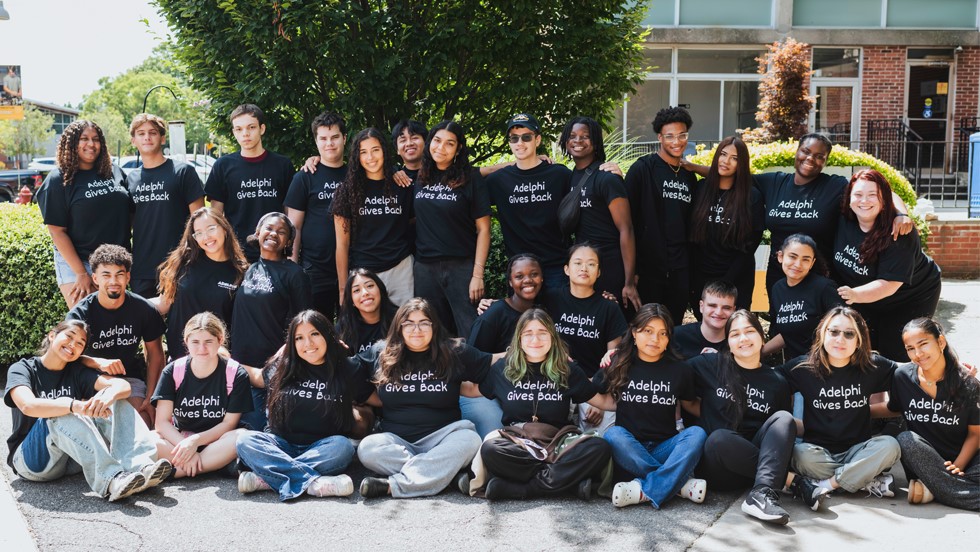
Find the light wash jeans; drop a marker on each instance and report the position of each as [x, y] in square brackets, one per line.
[661, 468]
[486, 414]
[422, 468]
[290, 468]
[101, 447]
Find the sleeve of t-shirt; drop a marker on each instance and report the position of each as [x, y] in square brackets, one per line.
[301, 291]
[298, 195]
[52, 201]
[786, 369]
[361, 378]
[896, 263]
[475, 363]
[85, 379]
[633, 184]
[894, 402]
[79, 311]
[154, 326]
[884, 370]
[240, 400]
[699, 366]
[481, 334]
[599, 382]
[166, 388]
[579, 387]
[829, 297]
[973, 411]
[19, 374]
[487, 386]
[480, 205]
[189, 184]
[764, 182]
[610, 186]
[287, 175]
[686, 390]
[216, 187]
[615, 321]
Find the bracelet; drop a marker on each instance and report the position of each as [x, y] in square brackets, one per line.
[901, 214]
[478, 277]
[478, 265]
[71, 406]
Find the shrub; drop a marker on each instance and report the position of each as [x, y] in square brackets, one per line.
[784, 103]
[30, 302]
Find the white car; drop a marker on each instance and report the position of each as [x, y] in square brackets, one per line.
[43, 164]
[201, 163]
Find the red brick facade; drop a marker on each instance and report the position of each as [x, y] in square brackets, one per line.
[967, 100]
[955, 246]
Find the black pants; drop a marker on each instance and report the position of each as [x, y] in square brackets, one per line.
[885, 325]
[921, 461]
[446, 286]
[670, 290]
[144, 287]
[732, 462]
[505, 458]
[612, 276]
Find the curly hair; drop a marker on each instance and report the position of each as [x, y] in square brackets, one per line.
[880, 237]
[349, 198]
[617, 375]
[669, 115]
[287, 250]
[459, 170]
[68, 151]
[393, 364]
[110, 254]
[595, 136]
[817, 360]
[188, 252]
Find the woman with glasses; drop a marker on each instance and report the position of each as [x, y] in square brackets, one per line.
[837, 379]
[424, 442]
[889, 281]
[200, 275]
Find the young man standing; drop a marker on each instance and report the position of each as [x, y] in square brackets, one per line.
[409, 138]
[251, 182]
[717, 305]
[118, 321]
[163, 193]
[527, 196]
[660, 191]
[308, 206]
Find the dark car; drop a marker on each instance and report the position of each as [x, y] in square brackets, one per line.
[13, 180]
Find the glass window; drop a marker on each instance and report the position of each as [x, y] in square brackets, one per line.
[718, 61]
[657, 60]
[726, 13]
[837, 13]
[935, 14]
[702, 99]
[836, 62]
[651, 96]
[661, 13]
[738, 111]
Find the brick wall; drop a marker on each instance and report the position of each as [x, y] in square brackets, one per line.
[955, 246]
[883, 85]
[967, 100]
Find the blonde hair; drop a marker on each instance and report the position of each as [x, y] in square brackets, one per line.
[206, 322]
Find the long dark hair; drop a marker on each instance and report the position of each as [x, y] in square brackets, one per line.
[349, 198]
[393, 362]
[188, 252]
[729, 376]
[737, 203]
[289, 368]
[962, 388]
[349, 316]
[617, 375]
[595, 136]
[817, 360]
[880, 236]
[459, 170]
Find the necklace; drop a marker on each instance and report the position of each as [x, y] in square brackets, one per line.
[922, 376]
[677, 170]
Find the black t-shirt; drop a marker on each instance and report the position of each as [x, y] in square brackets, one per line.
[249, 188]
[689, 341]
[715, 260]
[527, 205]
[660, 200]
[648, 402]
[271, 294]
[200, 404]
[311, 402]
[766, 392]
[420, 403]
[811, 209]
[936, 420]
[902, 261]
[367, 335]
[94, 210]
[160, 197]
[493, 330]
[836, 409]
[118, 333]
[206, 286]
[795, 312]
[445, 218]
[585, 325]
[536, 395]
[383, 236]
[313, 193]
[595, 223]
[75, 381]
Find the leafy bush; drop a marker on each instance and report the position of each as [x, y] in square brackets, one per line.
[30, 302]
[784, 103]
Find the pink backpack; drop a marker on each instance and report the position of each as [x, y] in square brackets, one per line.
[180, 368]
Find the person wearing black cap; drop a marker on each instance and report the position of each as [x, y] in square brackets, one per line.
[527, 196]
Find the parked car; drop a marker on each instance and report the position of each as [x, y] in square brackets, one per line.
[43, 164]
[201, 163]
[127, 163]
[13, 180]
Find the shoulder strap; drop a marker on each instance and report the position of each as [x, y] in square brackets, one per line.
[180, 367]
[231, 370]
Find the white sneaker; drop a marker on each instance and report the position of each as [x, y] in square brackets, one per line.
[628, 493]
[881, 486]
[331, 485]
[249, 482]
[125, 484]
[694, 490]
[155, 473]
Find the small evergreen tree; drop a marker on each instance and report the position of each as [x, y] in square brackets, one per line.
[784, 101]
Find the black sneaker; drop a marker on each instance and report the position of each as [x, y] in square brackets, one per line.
[462, 482]
[763, 503]
[499, 488]
[372, 487]
[808, 489]
[585, 489]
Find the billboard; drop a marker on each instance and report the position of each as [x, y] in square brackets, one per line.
[11, 93]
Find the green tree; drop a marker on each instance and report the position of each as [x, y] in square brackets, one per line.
[28, 136]
[784, 101]
[476, 61]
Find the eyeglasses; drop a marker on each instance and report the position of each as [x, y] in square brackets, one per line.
[206, 233]
[424, 326]
[515, 138]
[848, 334]
[674, 137]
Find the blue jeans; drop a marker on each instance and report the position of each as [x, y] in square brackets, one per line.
[102, 447]
[485, 413]
[661, 468]
[554, 277]
[291, 468]
[257, 419]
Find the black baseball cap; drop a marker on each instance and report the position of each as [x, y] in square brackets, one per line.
[523, 120]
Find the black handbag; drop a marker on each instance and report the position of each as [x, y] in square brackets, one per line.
[570, 207]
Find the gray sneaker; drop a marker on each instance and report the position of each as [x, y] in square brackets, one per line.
[881, 486]
[763, 503]
[125, 484]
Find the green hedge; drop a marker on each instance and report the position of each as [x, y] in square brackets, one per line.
[30, 302]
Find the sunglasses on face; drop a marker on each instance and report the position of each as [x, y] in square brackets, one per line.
[515, 138]
[848, 334]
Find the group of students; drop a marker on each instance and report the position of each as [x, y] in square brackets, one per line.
[437, 395]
